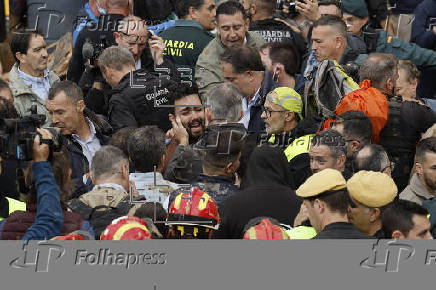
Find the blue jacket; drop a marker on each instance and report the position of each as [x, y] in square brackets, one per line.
[422, 26]
[49, 218]
[404, 6]
[46, 221]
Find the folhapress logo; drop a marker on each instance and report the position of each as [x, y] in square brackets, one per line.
[388, 255]
[38, 256]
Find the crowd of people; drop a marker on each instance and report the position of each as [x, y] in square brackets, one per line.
[251, 119]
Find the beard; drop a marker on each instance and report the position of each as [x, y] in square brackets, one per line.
[194, 137]
[429, 182]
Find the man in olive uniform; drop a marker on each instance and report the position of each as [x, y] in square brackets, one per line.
[356, 16]
[326, 200]
[189, 36]
[370, 192]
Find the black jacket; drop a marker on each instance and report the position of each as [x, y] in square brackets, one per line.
[276, 31]
[133, 101]
[106, 26]
[407, 120]
[341, 230]
[265, 191]
[78, 162]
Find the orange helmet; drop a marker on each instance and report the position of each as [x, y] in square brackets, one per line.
[127, 228]
[76, 235]
[264, 228]
[194, 207]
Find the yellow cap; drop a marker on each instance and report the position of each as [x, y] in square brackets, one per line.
[288, 99]
[322, 181]
[372, 189]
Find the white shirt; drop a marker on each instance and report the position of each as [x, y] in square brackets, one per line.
[90, 146]
[247, 109]
[138, 64]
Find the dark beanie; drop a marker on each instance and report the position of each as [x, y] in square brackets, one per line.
[355, 7]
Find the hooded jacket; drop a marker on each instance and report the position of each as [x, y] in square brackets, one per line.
[297, 152]
[265, 191]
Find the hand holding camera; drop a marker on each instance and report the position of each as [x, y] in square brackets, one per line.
[41, 149]
[308, 8]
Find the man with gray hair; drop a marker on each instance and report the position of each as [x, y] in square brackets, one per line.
[406, 121]
[372, 157]
[328, 150]
[224, 104]
[137, 95]
[110, 174]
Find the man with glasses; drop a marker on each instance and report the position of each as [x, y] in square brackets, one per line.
[133, 34]
[370, 193]
[285, 124]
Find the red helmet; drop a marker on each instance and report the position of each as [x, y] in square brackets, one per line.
[194, 207]
[76, 235]
[126, 228]
[264, 228]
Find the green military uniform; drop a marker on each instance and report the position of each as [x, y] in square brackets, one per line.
[380, 41]
[184, 43]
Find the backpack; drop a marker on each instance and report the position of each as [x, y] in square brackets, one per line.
[100, 219]
[326, 86]
[371, 102]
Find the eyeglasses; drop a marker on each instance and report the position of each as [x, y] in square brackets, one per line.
[268, 111]
[391, 166]
[132, 38]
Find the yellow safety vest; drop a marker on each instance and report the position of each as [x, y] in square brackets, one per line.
[15, 205]
[301, 233]
[298, 146]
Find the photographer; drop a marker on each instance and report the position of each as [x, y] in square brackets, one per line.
[84, 132]
[49, 219]
[107, 24]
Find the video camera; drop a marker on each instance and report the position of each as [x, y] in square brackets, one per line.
[290, 5]
[17, 136]
[92, 50]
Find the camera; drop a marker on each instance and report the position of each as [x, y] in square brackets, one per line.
[290, 6]
[17, 136]
[92, 50]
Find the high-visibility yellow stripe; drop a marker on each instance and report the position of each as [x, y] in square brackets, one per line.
[6, 7]
[124, 228]
[203, 201]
